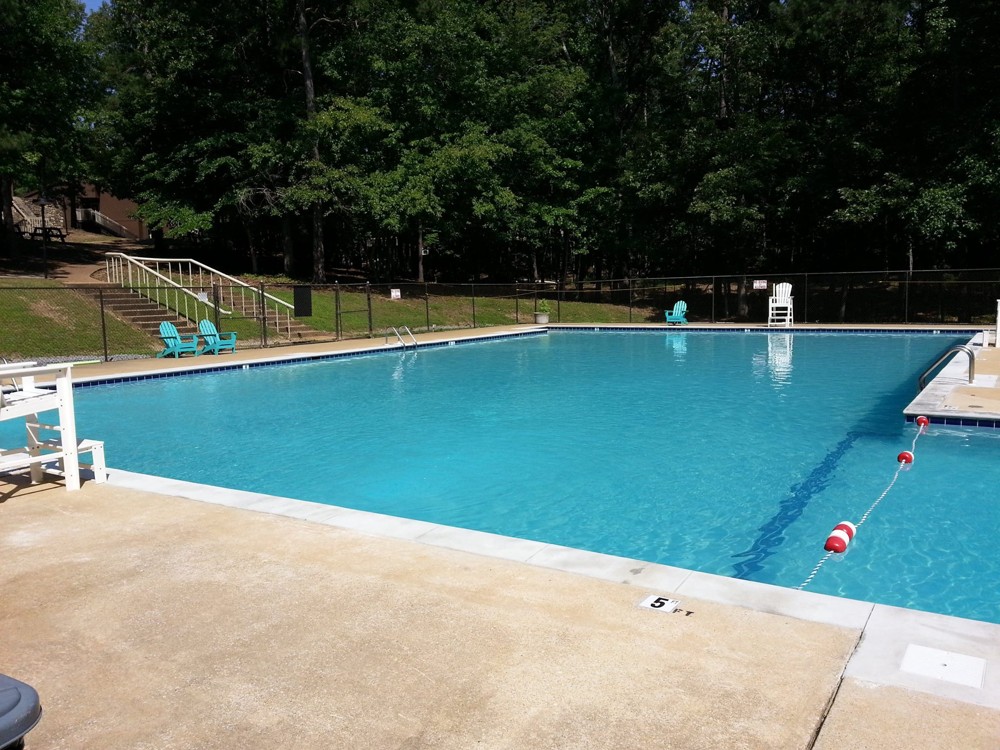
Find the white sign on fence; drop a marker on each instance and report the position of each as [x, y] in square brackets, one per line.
[395, 294]
[760, 283]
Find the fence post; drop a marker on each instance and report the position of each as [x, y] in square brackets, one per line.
[629, 299]
[427, 305]
[473, 304]
[713, 299]
[559, 296]
[263, 317]
[337, 312]
[517, 305]
[906, 298]
[104, 325]
[368, 297]
[805, 302]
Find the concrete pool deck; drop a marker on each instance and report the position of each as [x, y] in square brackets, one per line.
[153, 613]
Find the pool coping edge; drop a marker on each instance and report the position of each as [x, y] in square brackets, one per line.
[885, 631]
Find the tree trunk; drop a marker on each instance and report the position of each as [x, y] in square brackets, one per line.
[318, 253]
[252, 245]
[287, 246]
[7, 201]
[420, 254]
[724, 71]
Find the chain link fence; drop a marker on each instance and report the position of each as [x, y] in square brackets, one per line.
[45, 321]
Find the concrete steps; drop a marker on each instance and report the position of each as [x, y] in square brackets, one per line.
[136, 310]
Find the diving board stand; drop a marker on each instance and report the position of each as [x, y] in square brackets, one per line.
[25, 398]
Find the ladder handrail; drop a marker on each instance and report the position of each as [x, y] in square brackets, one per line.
[234, 296]
[410, 334]
[922, 381]
[398, 337]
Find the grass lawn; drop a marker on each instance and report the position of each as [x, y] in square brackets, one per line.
[40, 319]
[440, 312]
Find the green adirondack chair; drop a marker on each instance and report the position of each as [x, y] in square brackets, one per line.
[216, 342]
[175, 343]
[678, 314]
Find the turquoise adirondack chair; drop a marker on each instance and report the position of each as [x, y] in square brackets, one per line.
[175, 343]
[216, 342]
[678, 314]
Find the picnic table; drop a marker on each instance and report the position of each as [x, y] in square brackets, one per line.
[48, 233]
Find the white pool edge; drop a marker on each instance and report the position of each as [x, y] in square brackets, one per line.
[889, 636]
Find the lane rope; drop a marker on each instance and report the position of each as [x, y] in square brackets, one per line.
[842, 534]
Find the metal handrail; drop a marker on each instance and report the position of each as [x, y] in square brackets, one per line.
[203, 269]
[398, 337]
[105, 221]
[142, 280]
[922, 381]
[410, 334]
[27, 217]
[248, 300]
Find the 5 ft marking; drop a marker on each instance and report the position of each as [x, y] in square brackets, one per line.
[660, 603]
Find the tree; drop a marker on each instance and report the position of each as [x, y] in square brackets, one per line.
[200, 112]
[45, 82]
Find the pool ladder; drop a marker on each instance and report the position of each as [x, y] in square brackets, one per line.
[399, 336]
[922, 382]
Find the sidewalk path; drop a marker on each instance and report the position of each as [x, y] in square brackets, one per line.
[149, 621]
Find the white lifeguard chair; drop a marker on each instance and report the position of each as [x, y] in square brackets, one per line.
[26, 399]
[779, 307]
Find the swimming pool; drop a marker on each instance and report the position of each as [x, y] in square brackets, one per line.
[729, 453]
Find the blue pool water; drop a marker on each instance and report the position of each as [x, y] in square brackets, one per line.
[730, 453]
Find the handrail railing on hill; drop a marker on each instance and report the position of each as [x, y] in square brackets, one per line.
[148, 276]
[105, 222]
[161, 289]
[28, 219]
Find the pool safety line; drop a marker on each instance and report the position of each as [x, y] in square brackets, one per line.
[844, 531]
[772, 533]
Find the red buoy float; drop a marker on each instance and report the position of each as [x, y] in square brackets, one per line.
[840, 537]
[923, 421]
[905, 457]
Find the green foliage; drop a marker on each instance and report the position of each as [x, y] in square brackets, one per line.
[46, 82]
[526, 138]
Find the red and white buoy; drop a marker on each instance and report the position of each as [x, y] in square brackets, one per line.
[923, 421]
[905, 457]
[840, 537]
